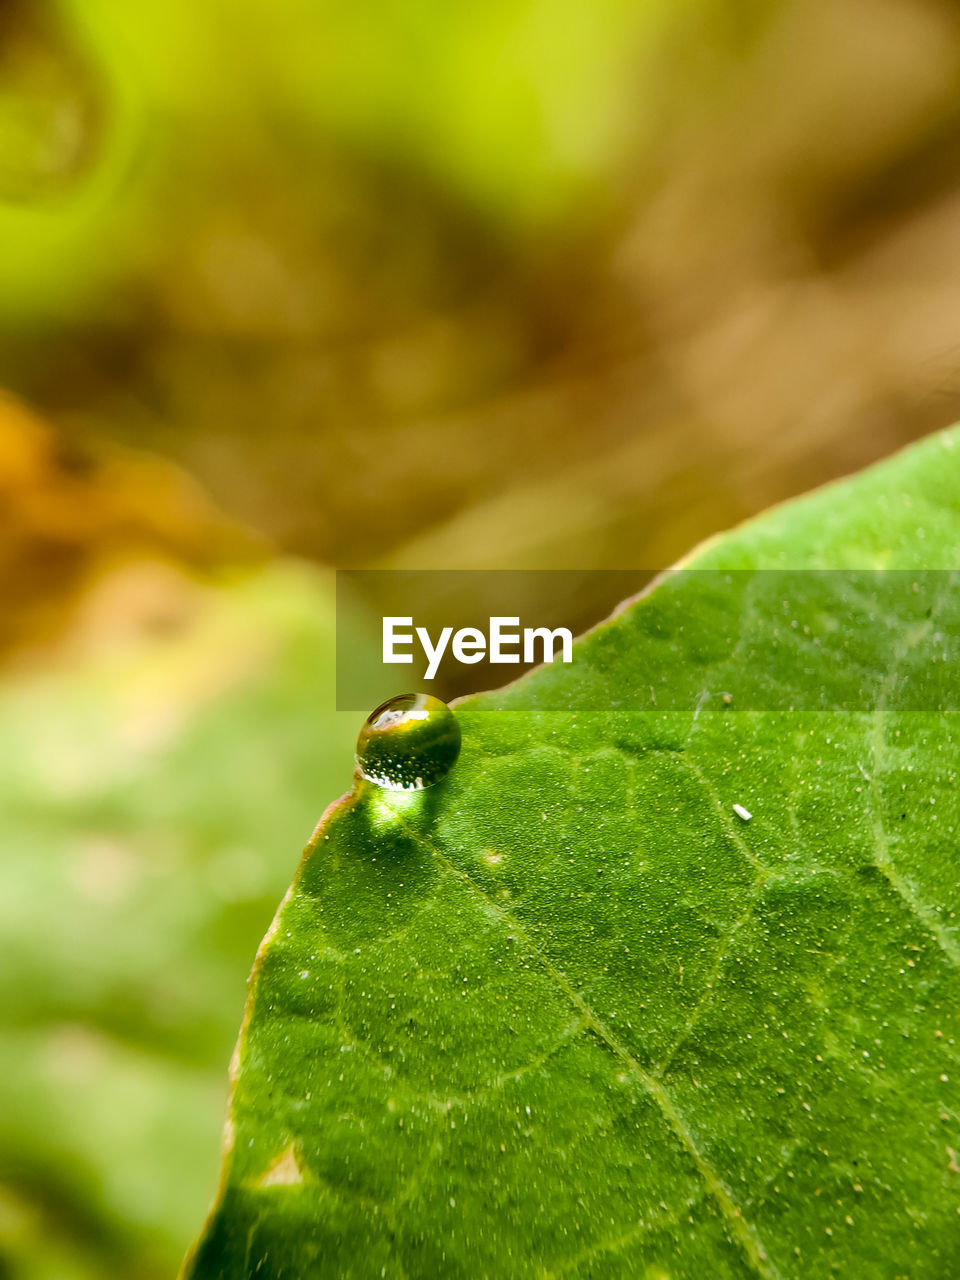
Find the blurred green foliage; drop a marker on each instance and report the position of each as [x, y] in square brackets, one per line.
[650, 266]
[154, 792]
[517, 107]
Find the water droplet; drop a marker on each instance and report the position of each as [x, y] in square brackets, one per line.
[408, 743]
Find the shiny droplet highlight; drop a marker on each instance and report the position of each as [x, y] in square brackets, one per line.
[408, 743]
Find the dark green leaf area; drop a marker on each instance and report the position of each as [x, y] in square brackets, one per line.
[567, 1014]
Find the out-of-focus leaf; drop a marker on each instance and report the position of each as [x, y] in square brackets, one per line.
[151, 785]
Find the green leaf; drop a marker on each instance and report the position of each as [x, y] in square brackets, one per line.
[566, 1014]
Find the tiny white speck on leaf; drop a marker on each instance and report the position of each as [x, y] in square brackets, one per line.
[743, 814]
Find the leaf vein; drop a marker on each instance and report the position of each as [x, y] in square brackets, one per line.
[743, 1231]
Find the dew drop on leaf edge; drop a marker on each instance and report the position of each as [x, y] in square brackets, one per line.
[408, 743]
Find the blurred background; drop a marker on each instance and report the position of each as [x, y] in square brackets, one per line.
[399, 284]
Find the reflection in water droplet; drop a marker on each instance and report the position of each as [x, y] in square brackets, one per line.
[408, 743]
